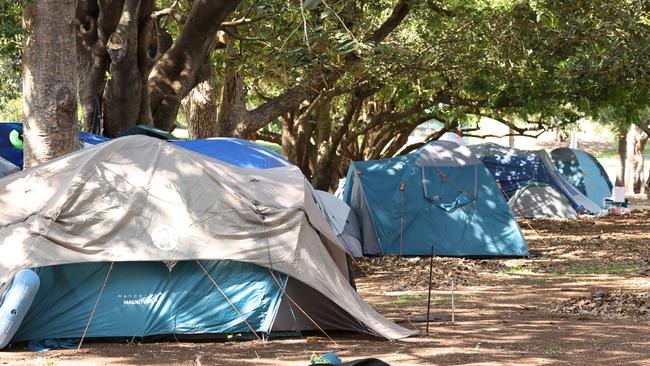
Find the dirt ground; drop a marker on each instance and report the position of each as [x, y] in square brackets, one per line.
[583, 298]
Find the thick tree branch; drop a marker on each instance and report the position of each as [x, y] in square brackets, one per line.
[172, 76]
[400, 11]
[269, 136]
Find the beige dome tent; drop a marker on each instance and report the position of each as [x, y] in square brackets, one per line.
[138, 198]
[539, 200]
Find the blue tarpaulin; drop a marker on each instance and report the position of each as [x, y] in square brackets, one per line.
[15, 155]
[242, 153]
[234, 151]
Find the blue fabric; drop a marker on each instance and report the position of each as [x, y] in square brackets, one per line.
[146, 298]
[235, 151]
[50, 344]
[584, 172]
[7, 150]
[456, 209]
[513, 172]
[15, 155]
[89, 138]
[239, 152]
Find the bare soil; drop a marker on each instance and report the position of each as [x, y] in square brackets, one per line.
[581, 299]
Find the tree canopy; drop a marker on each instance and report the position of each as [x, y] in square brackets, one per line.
[340, 80]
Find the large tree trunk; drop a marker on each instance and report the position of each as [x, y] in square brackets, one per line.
[636, 141]
[117, 43]
[622, 155]
[200, 109]
[49, 91]
[232, 105]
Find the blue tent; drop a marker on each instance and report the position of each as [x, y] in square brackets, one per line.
[438, 196]
[144, 299]
[584, 172]
[15, 155]
[514, 169]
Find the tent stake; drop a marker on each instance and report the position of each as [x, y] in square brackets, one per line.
[430, 279]
[453, 302]
[401, 222]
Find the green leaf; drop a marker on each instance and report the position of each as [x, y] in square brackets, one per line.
[310, 4]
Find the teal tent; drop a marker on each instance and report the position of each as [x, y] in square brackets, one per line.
[584, 172]
[148, 298]
[439, 196]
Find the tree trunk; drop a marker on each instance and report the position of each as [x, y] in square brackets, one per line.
[96, 22]
[622, 154]
[49, 90]
[176, 73]
[636, 141]
[511, 138]
[125, 84]
[315, 83]
[200, 109]
[232, 104]
[129, 61]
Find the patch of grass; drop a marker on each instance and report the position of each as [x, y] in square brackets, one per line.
[181, 133]
[518, 270]
[554, 350]
[47, 362]
[271, 146]
[420, 299]
[600, 269]
[410, 299]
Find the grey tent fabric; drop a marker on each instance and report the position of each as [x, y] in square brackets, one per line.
[538, 200]
[343, 221]
[340, 188]
[7, 168]
[138, 198]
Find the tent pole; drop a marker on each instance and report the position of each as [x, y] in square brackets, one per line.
[299, 308]
[430, 280]
[453, 300]
[92, 313]
[229, 302]
[401, 223]
[284, 290]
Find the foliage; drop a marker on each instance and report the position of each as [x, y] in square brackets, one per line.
[10, 53]
[12, 110]
[531, 64]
